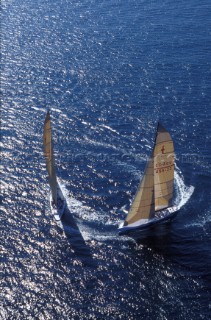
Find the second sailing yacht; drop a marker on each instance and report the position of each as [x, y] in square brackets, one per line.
[57, 200]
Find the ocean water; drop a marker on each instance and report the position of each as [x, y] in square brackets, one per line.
[108, 71]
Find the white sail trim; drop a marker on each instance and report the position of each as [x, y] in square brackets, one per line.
[134, 224]
[160, 207]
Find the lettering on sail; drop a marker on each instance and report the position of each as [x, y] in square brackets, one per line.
[164, 165]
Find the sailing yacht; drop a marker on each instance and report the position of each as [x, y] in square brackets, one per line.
[57, 200]
[153, 202]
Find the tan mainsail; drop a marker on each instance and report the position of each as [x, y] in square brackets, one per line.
[163, 169]
[155, 191]
[143, 203]
[48, 152]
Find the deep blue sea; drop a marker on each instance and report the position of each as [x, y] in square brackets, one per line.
[108, 70]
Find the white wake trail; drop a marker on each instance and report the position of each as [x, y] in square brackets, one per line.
[183, 192]
[82, 212]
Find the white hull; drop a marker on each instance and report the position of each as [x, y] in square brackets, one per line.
[59, 208]
[144, 224]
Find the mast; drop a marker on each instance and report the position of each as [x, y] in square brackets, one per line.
[49, 156]
[163, 168]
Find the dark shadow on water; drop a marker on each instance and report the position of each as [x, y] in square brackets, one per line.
[75, 237]
[73, 234]
[157, 237]
[189, 250]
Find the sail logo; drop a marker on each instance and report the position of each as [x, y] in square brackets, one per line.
[162, 149]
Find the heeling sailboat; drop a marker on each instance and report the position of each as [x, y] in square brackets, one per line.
[152, 203]
[57, 200]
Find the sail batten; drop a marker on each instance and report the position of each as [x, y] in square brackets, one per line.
[159, 184]
[163, 141]
[155, 191]
[49, 156]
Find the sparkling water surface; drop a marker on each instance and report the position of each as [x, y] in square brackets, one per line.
[108, 70]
